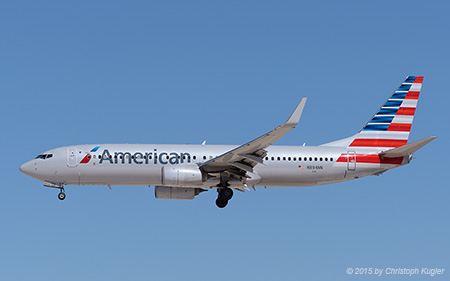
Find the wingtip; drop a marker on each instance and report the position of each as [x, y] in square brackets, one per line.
[297, 113]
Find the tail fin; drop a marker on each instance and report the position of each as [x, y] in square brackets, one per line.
[390, 126]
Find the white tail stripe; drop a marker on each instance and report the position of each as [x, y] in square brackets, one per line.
[403, 119]
[409, 103]
[383, 135]
[416, 87]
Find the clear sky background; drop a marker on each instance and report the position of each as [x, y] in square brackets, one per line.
[223, 71]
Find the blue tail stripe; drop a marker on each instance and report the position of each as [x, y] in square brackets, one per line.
[376, 127]
[382, 119]
[387, 111]
[393, 103]
[404, 87]
[399, 96]
[410, 79]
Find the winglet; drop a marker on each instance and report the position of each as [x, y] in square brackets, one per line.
[295, 116]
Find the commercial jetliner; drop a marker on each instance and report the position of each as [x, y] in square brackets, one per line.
[184, 171]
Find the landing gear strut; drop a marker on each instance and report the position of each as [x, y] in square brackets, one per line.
[224, 194]
[62, 194]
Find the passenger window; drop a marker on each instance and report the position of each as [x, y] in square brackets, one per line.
[204, 157]
[310, 158]
[289, 158]
[273, 158]
[278, 158]
[326, 159]
[321, 159]
[315, 158]
[331, 159]
[305, 159]
[295, 159]
[284, 158]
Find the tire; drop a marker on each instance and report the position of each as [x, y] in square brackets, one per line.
[221, 202]
[61, 196]
[226, 193]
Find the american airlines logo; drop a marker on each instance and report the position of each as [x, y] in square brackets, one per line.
[154, 157]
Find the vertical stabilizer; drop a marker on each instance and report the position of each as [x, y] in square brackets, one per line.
[391, 125]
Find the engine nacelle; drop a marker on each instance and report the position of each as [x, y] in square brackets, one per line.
[181, 175]
[177, 193]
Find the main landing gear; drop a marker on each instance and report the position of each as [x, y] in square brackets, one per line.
[224, 194]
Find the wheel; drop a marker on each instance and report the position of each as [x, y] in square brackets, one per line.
[221, 202]
[61, 196]
[226, 193]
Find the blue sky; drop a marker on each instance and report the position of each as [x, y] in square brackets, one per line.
[226, 72]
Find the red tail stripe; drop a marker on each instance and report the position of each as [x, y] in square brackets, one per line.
[378, 143]
[419, 79]
[406, 111]
[399, 127]
[370, 158]
[412, 95]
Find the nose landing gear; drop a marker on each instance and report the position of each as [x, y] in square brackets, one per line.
[60, 186]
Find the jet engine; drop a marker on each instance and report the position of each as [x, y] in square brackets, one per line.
[181, 175]
[177, 193]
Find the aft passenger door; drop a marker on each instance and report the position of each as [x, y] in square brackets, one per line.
[351, 161]
[72, 160]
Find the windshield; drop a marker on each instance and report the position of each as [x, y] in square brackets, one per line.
[44, 156]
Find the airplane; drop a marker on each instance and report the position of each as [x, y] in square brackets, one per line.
[184, 171]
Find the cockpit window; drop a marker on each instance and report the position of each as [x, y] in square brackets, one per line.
[44, 156]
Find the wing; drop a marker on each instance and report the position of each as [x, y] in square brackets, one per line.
[241, 160]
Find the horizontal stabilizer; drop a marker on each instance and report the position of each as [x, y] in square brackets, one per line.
[407, 149]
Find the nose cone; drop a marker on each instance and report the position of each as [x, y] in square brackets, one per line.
[27, 168]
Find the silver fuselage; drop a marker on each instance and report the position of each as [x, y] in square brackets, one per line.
[141, 164]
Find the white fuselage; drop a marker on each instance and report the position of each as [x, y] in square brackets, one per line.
[141, 164]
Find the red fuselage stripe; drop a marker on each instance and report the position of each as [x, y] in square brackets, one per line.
[370, 158]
